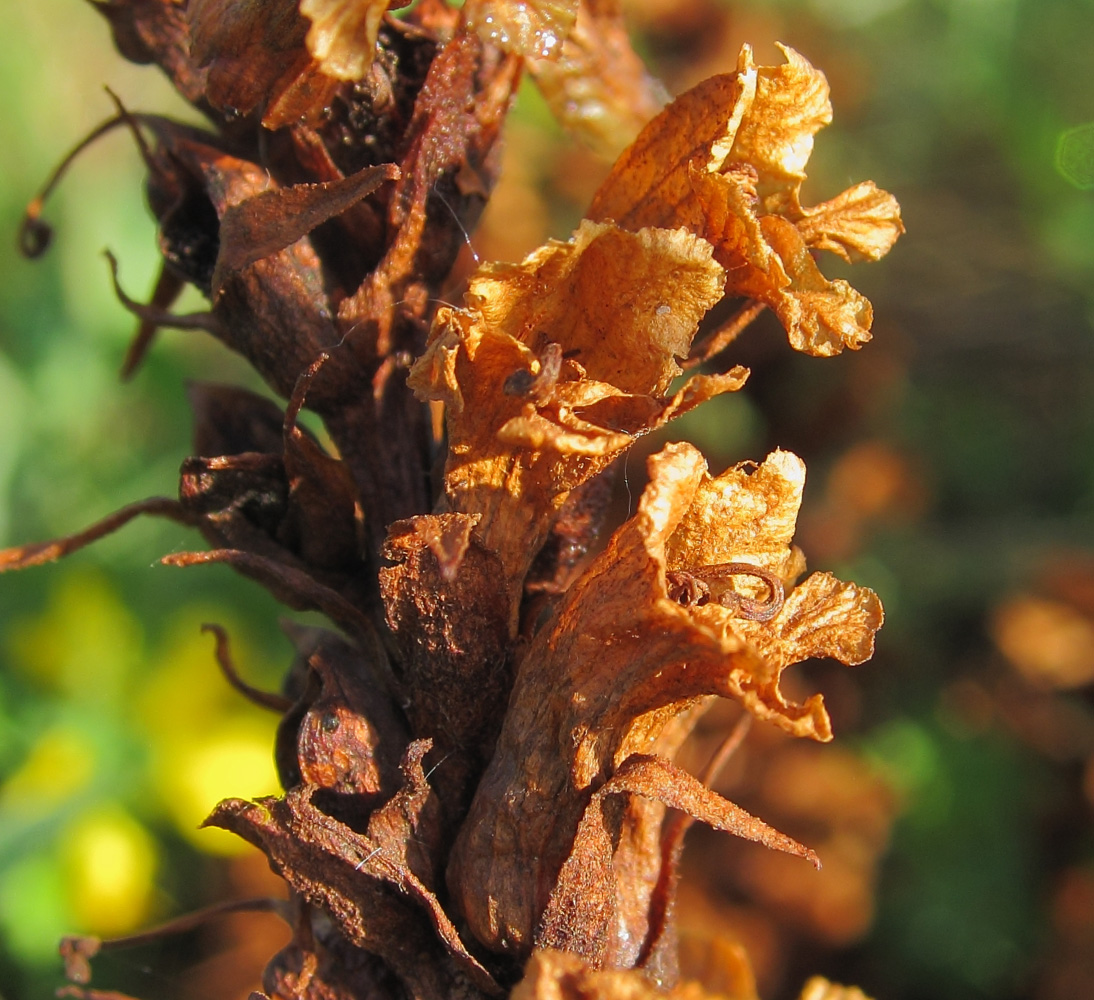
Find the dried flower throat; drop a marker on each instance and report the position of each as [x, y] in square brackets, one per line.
[477, 764]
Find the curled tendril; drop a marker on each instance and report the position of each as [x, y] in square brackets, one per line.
[692, 587]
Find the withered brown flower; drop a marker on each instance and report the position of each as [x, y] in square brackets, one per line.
[477, 769]
[727, 160]
[615, 673]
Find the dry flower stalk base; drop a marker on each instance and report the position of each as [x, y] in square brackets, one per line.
[477, 762]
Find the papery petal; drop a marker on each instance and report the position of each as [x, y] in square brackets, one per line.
[625, 305]
[342, 35]
[564, 429]
[860, 224]
[821, 317]
[822, 616]
[650, 184]
[742, 516]
[758, 686]
[776, 135]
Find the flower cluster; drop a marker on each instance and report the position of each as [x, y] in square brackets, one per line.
[477, 765]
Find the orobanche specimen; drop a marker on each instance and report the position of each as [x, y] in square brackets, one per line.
[478, 758]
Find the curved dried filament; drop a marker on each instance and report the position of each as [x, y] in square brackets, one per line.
[692, 587]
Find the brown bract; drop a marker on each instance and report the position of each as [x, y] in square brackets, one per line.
[611, 312]
[269, 302]
[375, 883]
[727, 160]
[256, 60]
[440, 594]
[157, 31]
[613, 675]
[343, 735]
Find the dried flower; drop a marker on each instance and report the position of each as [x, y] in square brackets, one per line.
[549, 688]
[727, 160]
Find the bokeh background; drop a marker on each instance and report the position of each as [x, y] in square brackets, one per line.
[951, 468]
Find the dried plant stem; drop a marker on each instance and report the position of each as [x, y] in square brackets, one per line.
[266, 699]
[724, 335]
[77, 950]
[37, 553]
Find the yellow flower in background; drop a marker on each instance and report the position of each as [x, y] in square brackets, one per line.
[110, 861]
[196, 773]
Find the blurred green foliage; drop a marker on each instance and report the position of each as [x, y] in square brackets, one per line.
[981, 374]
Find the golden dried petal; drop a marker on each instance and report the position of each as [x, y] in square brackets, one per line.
[567, 432]
[767, 259]
[860, 224]
[776, 134]
[822, 616]
[757, 686]
[624, 304]
[650, 184]
[821, 317]
[743, 516]
[749, 517]
[342, 36]
[569, 435]
[598, 88]
[534, 28]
